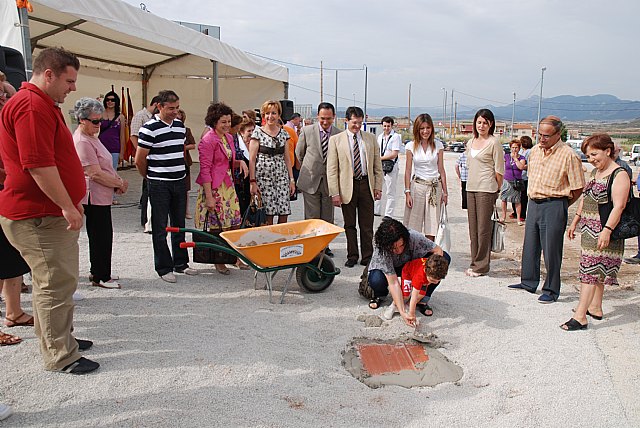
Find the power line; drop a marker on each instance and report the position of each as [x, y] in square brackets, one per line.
[305, 66]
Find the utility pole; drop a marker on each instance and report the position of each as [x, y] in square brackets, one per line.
[540, 105]
[513, 114]
[336, 99]
[451, 115]
[455, 121]
[444, 109]
[366, 77]
[321, 85]
[409, 107]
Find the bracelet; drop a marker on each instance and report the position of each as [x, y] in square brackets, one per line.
[252, 180]
[607, 227]
[578, 215]
[407, 190]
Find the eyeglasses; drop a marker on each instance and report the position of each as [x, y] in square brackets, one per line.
[94, 121]
[546, 137]
[110, 100]
[5, 95]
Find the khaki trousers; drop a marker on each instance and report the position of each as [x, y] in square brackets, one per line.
[479, 211]
[51, 251]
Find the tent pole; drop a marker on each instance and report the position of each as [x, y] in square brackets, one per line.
[215, 82]
[286, 90]
[26, 41]
[145, 87]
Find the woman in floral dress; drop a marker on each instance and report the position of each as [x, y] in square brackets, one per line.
[601, 257]
[217, 204]
[270, 172]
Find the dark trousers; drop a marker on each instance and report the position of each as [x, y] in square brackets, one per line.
[524, 200]
[544, 232]
[378, 280]
[144, 199]
[360, 207]
[167, 200]
[464, 194]
[100, 234]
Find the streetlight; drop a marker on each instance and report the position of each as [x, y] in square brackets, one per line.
[366, 71]
[540, 105]
[444, 110]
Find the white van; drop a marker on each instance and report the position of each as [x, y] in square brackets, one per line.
[634, 155]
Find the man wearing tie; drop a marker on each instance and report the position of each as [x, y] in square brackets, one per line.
[311, 151]
[354, 174]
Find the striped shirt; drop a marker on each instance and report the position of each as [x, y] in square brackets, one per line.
[462, 166]
[554, 173]
[165, 143]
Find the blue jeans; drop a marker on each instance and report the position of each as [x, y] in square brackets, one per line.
[167, 200]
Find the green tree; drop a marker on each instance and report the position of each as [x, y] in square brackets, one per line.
[563, 133]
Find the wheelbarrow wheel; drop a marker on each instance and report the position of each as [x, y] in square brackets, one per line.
[311, 280]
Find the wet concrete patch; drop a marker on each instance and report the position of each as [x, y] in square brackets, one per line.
[403, 362]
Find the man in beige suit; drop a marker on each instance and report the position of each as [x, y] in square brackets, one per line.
[354, 174]
[311, 151]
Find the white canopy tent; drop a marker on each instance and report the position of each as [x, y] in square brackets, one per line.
[124, 46]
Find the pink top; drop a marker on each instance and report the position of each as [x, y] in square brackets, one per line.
[91, 151]
[214, 163]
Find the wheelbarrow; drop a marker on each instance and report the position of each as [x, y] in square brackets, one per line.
[297, 245]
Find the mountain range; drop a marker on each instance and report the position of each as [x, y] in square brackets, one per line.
[602, 108]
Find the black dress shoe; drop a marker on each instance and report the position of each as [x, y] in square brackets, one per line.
[350, 263]
[83, 345]
[364, 262]
[328, 252]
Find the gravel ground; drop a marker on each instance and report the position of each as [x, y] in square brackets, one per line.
[212, 351]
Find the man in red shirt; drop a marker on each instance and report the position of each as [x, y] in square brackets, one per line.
[40, 210]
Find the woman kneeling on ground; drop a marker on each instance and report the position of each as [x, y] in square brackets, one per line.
[395, 246]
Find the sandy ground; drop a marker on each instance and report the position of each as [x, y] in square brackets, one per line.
[212, 351]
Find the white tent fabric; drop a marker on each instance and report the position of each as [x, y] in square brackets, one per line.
[121, 45]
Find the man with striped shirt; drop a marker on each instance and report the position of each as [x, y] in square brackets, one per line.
[160, 159]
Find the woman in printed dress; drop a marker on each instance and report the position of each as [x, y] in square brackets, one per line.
[217, 205]
[601, 257]
[270, 169]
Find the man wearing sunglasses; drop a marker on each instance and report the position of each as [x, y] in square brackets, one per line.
[556, 181]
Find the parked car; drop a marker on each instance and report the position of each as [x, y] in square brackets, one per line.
[634, 155]
[456, 146]
[506, 148]
[581, 155]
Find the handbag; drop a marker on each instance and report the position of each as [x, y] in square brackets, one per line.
[629, 224]
[517, 183]
[497, 236]
[443, 236]
[254, 216]
[387, 165]
[210, 255]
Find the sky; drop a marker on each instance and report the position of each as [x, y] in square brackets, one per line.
[482, 50]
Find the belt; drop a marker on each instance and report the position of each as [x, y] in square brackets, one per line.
[364, 177]
[541, 200]
[271, 151]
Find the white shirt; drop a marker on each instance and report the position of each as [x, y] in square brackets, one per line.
[363, 154]
[394, 142]
[243, 146]
[425, 164]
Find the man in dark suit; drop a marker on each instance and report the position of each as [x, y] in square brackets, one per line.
[354, 174]
[311, 151]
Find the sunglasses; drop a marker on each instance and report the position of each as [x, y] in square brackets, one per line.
[94, 121]
[110, 100]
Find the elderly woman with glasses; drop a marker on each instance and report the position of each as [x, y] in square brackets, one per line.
[102, 181]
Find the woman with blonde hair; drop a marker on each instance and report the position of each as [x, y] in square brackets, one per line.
[425, 180]
[270, 168]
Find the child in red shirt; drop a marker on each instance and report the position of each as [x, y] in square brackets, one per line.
[420, 277]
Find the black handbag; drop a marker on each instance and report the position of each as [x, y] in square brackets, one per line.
[629, 224]
[210, 255]
[254, 216]
[387, 165]
[517, 184]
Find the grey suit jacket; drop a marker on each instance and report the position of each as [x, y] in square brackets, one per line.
[309, 152]
[340, 165]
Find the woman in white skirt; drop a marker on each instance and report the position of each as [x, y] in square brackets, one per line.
[425, 181]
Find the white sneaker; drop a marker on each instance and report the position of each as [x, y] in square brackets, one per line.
[77, 296]
[388, 313]
[5, 411]
[169, 277]
[188, 271]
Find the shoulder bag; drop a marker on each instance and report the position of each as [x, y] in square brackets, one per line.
[387, 165]
[517, 184]
[629, 224]
[497, 238]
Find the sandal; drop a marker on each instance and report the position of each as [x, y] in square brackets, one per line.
[594, 316]
[9, 339]
[223, 270]
[242, 266]
[15, 323]
[471, 273]
[425, 310]
[573, 325]
[375, 303]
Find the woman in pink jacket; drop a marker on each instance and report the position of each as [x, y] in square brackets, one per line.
[217, 205]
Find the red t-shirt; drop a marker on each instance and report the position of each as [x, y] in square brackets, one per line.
[33, 134]
[413, 276]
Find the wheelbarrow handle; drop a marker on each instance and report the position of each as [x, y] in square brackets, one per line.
[173, 229]
[187, 245]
